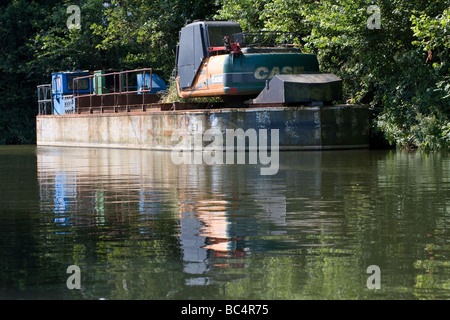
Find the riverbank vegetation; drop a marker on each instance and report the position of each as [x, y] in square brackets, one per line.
[391, 54]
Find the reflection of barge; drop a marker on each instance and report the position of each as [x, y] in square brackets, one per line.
[263, 87]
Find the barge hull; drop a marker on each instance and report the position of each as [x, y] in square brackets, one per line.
[300, 128]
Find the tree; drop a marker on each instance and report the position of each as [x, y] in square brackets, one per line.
[123, 34]
[146, 33]
[18, 21]
[401, 67]
[56, 47]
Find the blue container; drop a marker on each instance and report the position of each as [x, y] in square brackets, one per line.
[62, 89]
[62, 82]
[157, 84]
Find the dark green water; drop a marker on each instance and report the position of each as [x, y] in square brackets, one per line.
[140, 227]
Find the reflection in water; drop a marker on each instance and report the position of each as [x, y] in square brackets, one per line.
[223, 213]
[141, 227]
[65, 189]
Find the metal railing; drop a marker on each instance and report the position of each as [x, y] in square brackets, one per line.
[45, 101]
[266, 39]
[119, 92]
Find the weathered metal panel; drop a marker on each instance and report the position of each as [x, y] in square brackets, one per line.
[248, 73]
[301, 88]
[327, 127]
[192, 51]
[345, 126]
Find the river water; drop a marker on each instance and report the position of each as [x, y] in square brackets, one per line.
[138, 226]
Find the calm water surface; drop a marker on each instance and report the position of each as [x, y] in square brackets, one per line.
[141, 227]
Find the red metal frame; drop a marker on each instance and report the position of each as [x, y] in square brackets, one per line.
[115, 93]
[234, 48]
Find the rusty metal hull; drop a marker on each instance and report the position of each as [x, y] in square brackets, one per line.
[299, 127]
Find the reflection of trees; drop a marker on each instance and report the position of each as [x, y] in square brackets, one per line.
[156, 230]
[22, 258]
[368, 208]
[417, 186]
[432, 279]
[119, 221]
[395, 212]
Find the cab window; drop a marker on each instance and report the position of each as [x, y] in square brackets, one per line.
[83, 84]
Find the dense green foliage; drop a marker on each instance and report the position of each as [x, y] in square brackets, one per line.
[401, 67]
[114, 35]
